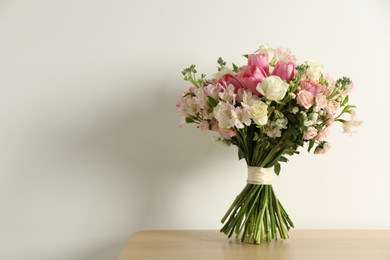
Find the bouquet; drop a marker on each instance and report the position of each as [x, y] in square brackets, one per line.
[268, 108]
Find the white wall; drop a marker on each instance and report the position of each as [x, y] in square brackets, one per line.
[90, 148]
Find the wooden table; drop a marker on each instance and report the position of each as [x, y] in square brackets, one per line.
[302, 245]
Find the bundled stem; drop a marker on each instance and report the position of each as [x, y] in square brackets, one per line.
[256, 215]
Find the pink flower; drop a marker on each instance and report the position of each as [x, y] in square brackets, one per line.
[285, 71]
[227, 133]
[213, 90]
[323, 134]
[260, 61]
[252, 76]
[348, 89]
[322, 149]
[332, 107]
[230, 79]
[329, 120]
[321, 101]
[310, 133]
[204, 125]
[187, 106]
[348, 125]
[305, 98]
[312, 87]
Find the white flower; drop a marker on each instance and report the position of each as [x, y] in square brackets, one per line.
[248, 99]
[273, 132]
[259, 113]
[228, 95]
[294, 110]
[273, 88]
[272, 53]
[315, 69]
[313, 117]
[243, 117]
[281, 122]
[222, 72]
[274, 129]
[348, 125]
[225, 115]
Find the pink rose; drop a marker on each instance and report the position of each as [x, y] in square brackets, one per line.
[305, 98]
[252, 76]
[310, 133]
[312, 87]
[322, 149]
[321, 101]
[230, 79]
[260, 61]
[332, 107]
[285, 71]
[323, 134]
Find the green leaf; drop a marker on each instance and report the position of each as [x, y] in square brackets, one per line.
[213, 103]
[345, 101]
[283, 159]
[277, 168]
[241, 154]
[189, 120]
[311, 144]
[235, 68]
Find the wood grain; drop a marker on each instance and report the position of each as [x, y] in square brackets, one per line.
[302, 245]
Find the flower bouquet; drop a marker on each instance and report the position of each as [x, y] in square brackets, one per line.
[268, 108]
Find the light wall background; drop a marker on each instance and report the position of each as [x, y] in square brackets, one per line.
[90, 147]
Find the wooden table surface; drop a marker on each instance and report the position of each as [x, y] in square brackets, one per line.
[302, 245]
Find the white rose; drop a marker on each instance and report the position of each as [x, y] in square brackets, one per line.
[273, 88]
[259, 113]
[315, 69]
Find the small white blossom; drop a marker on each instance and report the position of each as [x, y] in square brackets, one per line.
[294, 110]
